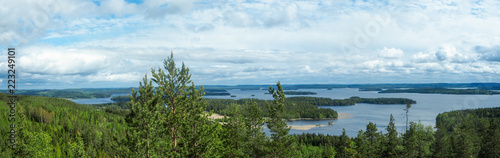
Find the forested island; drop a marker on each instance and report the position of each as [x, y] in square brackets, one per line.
[121, 98]
[298, 93]
[216, 92]
[441, 91]
[370, 89]
[350, 101]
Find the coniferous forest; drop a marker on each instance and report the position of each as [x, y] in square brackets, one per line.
[166, 118]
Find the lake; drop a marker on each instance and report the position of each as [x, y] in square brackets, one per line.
[427, 108]
[97, 100]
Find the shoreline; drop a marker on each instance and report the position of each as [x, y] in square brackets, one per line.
[345, 116]
[304, 127]
[311, 119]
[341, 116]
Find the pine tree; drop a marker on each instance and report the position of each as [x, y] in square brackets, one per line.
[235, 132]
[256, 137]
[144, 120]
[392, 145]
[172, 86]
[77, 148]
[362, 145]
[186, 124]
[417, 140]
[491, 141]
[281, 143]
[196, 131]
[347, 147]
[372, 136]
[39, 145]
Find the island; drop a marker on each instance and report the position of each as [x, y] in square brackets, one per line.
[350, 101]
[370, 89]
[216, 92]
[441, 91]
[298, 93]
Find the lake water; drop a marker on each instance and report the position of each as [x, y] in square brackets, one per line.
[427, 108]
[96, 100]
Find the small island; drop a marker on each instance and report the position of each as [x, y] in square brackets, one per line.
[298, 93]
[370, 89]
[442, 91]
[216, 92]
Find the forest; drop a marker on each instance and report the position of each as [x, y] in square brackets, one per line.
[54, 127]
[73, 93]
[441, 91]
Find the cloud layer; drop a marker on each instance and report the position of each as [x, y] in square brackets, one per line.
[75, 43]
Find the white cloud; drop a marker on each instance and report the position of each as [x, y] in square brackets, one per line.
[62, 61]
[256, 42]
[391, 53]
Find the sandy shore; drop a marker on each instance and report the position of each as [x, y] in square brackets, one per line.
[297, 119]
[215, 116]
[305, 127]
[345, 115]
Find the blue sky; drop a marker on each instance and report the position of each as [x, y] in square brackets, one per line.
[114, 43]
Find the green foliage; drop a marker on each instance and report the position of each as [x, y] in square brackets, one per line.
[216, 92]
[52, 124]
[350, 101]
[468, 133]
[392, 145]
[77, 148]
[121, 98]
[186, 125]
[281, 143]
[38, 145]
[418, 140]
[145, 122]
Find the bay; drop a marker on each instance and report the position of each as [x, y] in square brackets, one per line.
[97, 100]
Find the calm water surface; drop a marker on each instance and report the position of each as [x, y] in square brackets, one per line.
[427, 108]
[96, 100]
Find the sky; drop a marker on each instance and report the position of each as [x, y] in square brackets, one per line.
[115, 43]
